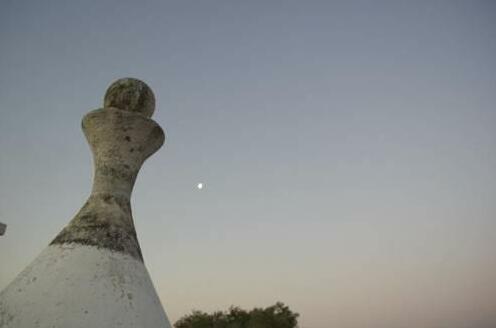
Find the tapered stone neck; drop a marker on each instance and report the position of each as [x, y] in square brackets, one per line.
[120, 140]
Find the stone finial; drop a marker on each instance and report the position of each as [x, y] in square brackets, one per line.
[131, 95]
[121, 137]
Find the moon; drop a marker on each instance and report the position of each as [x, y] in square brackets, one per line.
[199, 186]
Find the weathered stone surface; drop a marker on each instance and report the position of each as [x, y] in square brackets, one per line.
[74, 286]
[131, 95]
[120, 141]
[92, 274]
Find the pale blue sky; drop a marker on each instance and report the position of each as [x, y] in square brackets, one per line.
[347, 147]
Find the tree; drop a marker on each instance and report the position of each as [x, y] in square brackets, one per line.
[275, 316]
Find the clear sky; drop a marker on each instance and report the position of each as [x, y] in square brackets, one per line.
[347, 150]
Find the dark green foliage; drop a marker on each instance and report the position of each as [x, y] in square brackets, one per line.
[275, 316]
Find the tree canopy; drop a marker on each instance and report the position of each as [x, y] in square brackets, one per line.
[275, 316]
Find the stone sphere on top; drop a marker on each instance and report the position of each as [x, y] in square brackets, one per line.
[130, 95]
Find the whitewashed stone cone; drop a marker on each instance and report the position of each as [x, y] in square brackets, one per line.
[92, 274]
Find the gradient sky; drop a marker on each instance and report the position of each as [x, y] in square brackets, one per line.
[347, 147]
